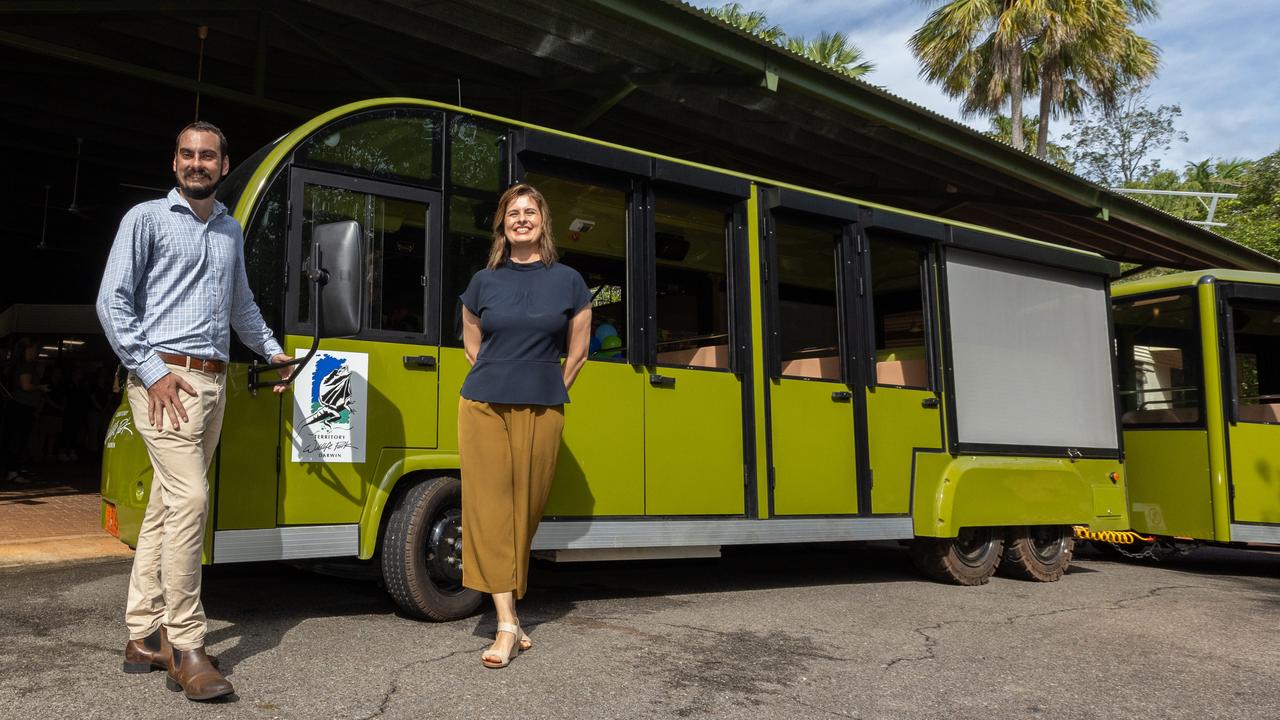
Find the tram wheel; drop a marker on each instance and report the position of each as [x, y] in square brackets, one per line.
[1038, 552]
[422, 552]
[970, 558]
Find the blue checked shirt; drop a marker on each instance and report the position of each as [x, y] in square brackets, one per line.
[175, 284]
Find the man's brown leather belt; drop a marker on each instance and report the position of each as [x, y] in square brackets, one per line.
[209, 366]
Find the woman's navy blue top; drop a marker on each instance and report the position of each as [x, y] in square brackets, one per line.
[524, 311]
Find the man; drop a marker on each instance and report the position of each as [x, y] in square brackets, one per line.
[174, 287]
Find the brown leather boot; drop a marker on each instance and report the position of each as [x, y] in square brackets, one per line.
[151, 653]
[191, 672]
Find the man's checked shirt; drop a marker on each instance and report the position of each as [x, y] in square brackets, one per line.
[175, 284]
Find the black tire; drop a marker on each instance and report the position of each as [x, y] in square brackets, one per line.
[1038, 552]
[421, 552]
[970, 558]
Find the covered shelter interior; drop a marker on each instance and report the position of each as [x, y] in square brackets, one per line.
[95, 91]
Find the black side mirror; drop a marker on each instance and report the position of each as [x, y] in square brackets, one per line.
[335, 276]
[338, 284]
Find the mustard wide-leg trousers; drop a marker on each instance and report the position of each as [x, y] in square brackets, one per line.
[508, 457]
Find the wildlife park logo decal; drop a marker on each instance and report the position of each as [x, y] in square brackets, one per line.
[330, 407]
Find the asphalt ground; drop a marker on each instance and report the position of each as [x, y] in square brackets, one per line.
[845, 631]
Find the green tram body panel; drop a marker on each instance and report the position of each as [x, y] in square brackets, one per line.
[1216, 478]
[814, 450]
[711, 447]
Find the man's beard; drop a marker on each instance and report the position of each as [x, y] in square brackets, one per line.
[193, 192]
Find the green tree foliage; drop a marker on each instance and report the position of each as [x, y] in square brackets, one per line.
[1086, 48]
[1116, 144]
[975, 50]
[992, 53]
[1002, 130]
[832, 49]
[752, 21]
[1253, 219]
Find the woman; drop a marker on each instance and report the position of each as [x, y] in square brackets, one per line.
[518, 315]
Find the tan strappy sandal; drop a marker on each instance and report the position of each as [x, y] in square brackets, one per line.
[494, 659]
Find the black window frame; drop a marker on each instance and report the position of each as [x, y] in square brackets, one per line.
[1227, 294]
[966, 239]
[926, 248]
[439, 147]
[1201, 421]
[239, 352]
[299, 177]
[735, 231]
[603, 175]
[840, 216]
[436, 250]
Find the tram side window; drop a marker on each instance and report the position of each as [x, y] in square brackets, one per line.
[1158, 340]
[691, 244]
[589, 224]
[897, 299]
[1256, 338]
[264, 252]
[475, 183]
[808, 325]
[395, 242]
[396, 144]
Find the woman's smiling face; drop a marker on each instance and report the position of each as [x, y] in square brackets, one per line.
[522, 223]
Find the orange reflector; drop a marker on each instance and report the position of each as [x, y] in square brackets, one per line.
[112, 522]
[1115, 477]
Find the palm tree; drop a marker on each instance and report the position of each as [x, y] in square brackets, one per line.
[1198, 176]
[754, 21]
[1087, 47]
[1231, 175]
[991, 53]
[833, 50]
[974, 49]
[1002, 130]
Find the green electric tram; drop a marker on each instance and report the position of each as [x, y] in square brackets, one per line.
[771, 364]
[1200, 389]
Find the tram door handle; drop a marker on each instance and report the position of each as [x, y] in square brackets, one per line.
[841, 396]
[929, 402]
[661, 381]
[420, 361]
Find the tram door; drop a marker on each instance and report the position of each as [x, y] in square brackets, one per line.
[814, 396]
[1253, 330]
[693, 398]
[348, 402]
[903, 407]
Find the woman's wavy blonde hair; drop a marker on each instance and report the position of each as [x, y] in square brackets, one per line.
[500, 250]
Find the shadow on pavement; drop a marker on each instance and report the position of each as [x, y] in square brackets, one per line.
[1206, 560]
[261, 602]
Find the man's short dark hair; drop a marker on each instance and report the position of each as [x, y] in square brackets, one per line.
[202, 126]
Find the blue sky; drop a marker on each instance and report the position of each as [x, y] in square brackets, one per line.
[1218, 61]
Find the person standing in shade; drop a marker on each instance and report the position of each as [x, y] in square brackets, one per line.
[25, 398]
[174, 287]
[520, 313]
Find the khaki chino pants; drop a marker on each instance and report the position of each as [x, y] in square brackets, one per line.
[164, 586]
[508, 457]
